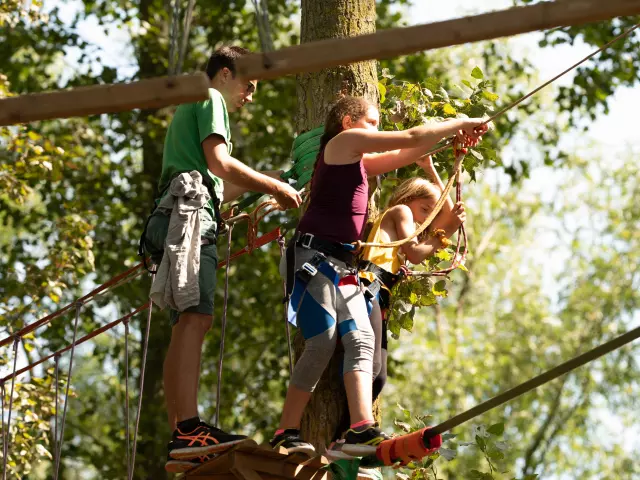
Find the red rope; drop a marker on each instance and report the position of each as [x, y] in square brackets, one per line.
[43, 321]
[87, 337]
[260, 242]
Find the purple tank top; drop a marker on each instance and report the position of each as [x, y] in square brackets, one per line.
[338, 205]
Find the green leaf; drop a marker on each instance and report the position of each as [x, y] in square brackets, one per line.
[492, 97]
[496, 429]
[448, 453]
[476, 154]
[448, 436]
[439, 289]
[405, 427]
[383, 92]
[467, 83]
[444, 255]
[477, 73]
[496, 455]
[448, 109]
[405, 411]
[387, 74]
[481, 442]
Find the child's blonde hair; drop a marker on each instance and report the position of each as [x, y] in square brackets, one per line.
[413, 189]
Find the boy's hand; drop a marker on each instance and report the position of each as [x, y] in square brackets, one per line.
[287, 196]
[459, 213]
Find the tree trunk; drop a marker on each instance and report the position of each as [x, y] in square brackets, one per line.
[316, 93]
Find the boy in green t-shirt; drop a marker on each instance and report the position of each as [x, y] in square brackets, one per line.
[199, 138]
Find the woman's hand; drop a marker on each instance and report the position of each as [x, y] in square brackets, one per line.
[471, 132]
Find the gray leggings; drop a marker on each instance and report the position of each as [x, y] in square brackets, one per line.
[328, 309]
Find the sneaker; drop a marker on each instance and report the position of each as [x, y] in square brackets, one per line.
[363, 443]
[203, 440]
[290, 439]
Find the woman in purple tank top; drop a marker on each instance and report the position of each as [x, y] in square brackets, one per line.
[327, 302]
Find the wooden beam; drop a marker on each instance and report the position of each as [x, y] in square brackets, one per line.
[93, 100]
[394, 42]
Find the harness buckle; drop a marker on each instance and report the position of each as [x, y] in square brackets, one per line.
[305, 241]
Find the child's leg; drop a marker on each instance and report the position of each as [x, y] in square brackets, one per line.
[375, 316]
[381, 379]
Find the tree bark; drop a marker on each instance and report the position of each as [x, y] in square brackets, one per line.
[316, 93]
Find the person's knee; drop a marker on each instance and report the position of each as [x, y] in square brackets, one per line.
[317, 354]
[359, 346]
[199, 323]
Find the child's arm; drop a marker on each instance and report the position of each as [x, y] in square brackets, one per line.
[451, 216]
[400, 148]
[415, 251]
[426, 164]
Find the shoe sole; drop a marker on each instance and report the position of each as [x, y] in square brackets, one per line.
[308, 450]
[178, 466]
[338, 455]
[194, 452]
[359, 450]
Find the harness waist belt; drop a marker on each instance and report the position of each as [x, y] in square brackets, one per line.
[329, 248]
[387, 278]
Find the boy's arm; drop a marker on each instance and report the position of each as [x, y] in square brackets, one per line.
[233, 171]
[231, 191]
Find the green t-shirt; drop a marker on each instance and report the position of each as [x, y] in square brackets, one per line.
[191, 124]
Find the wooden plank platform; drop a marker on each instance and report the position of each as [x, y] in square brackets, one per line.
[260, 462]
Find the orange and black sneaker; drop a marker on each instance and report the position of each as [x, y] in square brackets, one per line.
[201, 441]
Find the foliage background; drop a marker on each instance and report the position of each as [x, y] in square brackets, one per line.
[553, 232]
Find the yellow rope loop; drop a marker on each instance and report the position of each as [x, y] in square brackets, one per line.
[436, 210]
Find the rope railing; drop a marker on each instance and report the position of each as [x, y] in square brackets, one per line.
[45, 320]
[84, 339]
